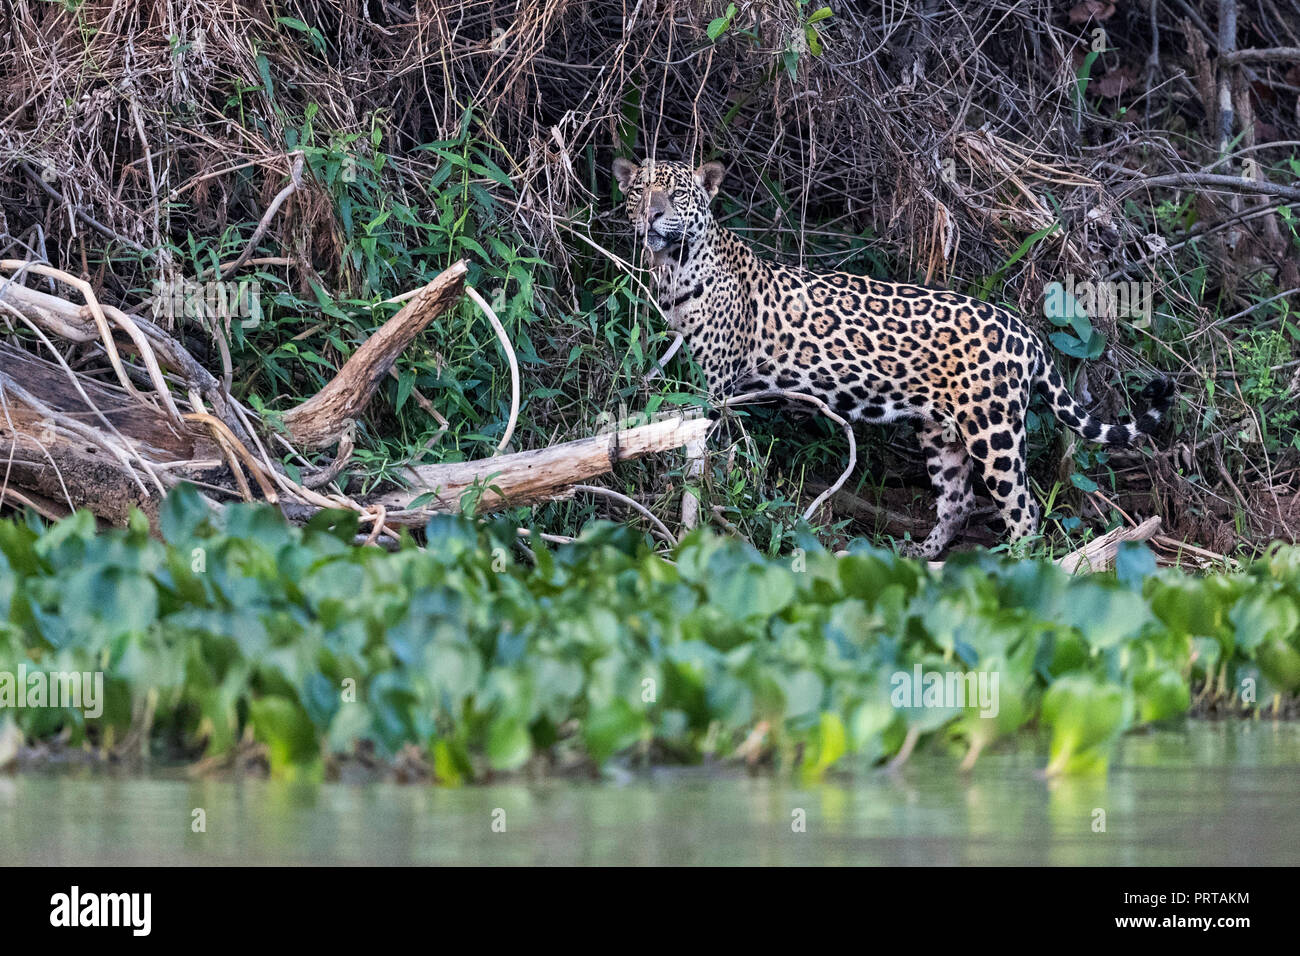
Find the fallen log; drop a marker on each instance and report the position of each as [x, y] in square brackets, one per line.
[86, 444]
[73, 322]
[529, 476]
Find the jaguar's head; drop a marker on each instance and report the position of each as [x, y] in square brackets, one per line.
[668, 203]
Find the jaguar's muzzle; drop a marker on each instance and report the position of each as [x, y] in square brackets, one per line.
[658, 240]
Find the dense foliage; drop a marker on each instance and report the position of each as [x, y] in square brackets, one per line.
[485, 658]
[987, 146]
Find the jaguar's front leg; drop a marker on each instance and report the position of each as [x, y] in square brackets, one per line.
[950, 468]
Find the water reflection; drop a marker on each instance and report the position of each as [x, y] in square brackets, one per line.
[1214, 793]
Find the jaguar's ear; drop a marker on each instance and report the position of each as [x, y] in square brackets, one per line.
[710, 177]
[624, 172]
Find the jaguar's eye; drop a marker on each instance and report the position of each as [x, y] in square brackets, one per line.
[677, 197]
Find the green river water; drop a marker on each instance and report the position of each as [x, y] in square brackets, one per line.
[1215, 793]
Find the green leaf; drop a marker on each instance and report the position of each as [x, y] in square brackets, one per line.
[1280, 663]
[803, 693]
[1085, 717]
[1083, 482]
[287, 732]
[1104, 615]
[829, 744]
[264, 71]
[98, 603]
[1162, 694]
[1134, 563]
[1070, 345]
[509, 745]
[719, 26]
[611, 728]
[753, 591]
[182, 514]
[1261, 618]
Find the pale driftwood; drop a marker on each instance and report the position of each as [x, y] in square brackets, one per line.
[322, 419]
[101, 318]
[1098, 555]
[1283, 54]
[45, 507]
[72, 322]
[509, 349]
[69, 440]
[145, 426]
[531, 476]
[1206, 557]
[72, 473]
[65, 319]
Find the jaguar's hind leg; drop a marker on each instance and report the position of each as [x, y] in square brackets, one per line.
[999, 454]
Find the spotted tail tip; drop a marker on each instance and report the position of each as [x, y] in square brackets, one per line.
[1156, 399]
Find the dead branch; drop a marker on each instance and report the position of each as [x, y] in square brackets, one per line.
[70, 440]
[770, 393]
[1098, 555]
[1231, 184]
[1281, 54]
[660, 528]
[51, 445]
[105, 333]
[696, 452]
[321, 419]
[510, 357]
[70, 321]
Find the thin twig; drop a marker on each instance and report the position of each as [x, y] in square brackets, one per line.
[89, 220]
[1228, 183]
[294, 184]
[769, 393]
[634, 505]
[510, 357]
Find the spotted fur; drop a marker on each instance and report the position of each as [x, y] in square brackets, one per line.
[875, 351]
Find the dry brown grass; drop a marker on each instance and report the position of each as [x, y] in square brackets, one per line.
[944, 133]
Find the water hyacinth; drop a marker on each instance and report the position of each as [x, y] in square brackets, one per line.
[485, 660]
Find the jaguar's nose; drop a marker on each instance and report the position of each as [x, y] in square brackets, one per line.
[657, 208]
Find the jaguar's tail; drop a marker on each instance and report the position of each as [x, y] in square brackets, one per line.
[1156, 398]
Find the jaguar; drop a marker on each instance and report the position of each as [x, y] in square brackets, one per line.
[873, 350]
